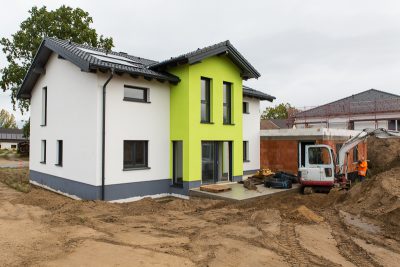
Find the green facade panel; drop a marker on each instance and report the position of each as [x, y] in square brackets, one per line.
[186, 113]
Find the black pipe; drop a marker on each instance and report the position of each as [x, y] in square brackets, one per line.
[103, 146]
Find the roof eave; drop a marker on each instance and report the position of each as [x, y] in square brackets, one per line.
[248, 70]
[169, 78]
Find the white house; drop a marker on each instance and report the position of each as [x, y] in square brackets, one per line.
[368, 109]
[107, 125]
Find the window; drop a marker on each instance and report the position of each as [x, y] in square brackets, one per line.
[177, 163]
[227, 102]
[205, 100]
[59, 153]
[319, 156]
[43, 152]
[394, 125]
[355, 153]
[44, 106]
[135, 154]
[13, 146]
[246, 108]
[246, 151]
[136, 94]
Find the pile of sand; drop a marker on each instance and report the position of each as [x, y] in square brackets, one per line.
[383, 153]
[379, 199]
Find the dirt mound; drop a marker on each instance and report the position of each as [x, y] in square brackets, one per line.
[383, 154]
[379, 199]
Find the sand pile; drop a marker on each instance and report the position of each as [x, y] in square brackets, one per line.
[383, 153]
[379, 199]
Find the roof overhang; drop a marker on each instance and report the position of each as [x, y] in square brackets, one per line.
[49, 45]
[250, 92]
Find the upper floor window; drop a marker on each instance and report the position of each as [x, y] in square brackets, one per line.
[135, 154]
[136, 94]
[246, 108]
[227, 102]
[205, 100]
[44, 106]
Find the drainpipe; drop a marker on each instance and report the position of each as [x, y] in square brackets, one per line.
[103, 145]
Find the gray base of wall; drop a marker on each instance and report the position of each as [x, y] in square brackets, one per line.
[112, 192]
[237, 178]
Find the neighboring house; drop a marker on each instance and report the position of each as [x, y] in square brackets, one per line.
[368, 109]
[115, 126]
[284, 149]
[9, 138]
[269, 124]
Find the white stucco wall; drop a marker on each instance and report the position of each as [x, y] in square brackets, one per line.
[251, 133]
[137, 121]
[72, 105]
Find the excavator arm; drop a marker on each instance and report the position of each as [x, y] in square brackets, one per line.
[352, 142]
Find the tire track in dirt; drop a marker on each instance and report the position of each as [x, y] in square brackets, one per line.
[296, 255]
[347, 247]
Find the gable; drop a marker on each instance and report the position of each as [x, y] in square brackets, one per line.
[247, 71]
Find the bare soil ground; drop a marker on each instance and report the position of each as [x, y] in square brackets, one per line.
[359, 228]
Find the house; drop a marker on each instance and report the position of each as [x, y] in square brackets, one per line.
[112, 126]
[9, 138]
[284, 149]
[368, 109]
[269, 124]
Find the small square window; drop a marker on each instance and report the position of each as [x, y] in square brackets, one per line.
[136, 94]
[135, 154]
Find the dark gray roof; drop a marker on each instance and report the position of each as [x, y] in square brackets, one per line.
[281, 123]
[248, 71]
[370, 101]
[250, 92]
[11, 131]
[88, 59]
[11, 135]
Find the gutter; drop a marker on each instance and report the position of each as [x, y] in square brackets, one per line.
[103, 137]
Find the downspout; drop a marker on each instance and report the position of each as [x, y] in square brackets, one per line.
[103, 145]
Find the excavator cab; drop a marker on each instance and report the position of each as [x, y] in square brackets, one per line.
[319, 169]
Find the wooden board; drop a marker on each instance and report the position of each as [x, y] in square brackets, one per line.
[215, 188]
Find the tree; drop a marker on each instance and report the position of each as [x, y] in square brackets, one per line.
[281, 111]
[63, 23]
[26, 129]
[7, 120]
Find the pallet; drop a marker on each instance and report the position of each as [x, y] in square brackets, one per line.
[215, 188]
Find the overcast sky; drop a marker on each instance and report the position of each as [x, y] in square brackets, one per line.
[308, 52]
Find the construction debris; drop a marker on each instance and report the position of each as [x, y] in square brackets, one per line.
[249, 185]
